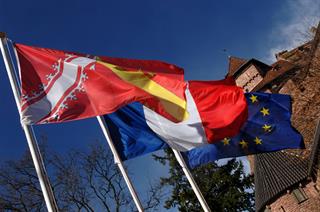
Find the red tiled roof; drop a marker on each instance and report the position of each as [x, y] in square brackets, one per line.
[234, 64]
[238, 65]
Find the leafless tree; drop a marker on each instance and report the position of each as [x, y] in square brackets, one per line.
[19, 189]
[82, 181]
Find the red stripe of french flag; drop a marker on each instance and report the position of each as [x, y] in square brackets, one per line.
[222, 107]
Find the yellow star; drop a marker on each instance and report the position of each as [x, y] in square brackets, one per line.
[243, 144]
[267, 128]
[265, 111]
[258, 141]
[253, 98]
[226, 141]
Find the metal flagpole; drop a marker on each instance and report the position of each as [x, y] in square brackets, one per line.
[32, 142]
[192, 182]
[118, 161]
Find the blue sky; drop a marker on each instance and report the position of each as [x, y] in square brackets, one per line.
[195, 35]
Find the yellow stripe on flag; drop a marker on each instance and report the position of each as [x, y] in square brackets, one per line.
[174, 105]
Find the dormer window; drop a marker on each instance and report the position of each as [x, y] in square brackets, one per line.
[299, 195]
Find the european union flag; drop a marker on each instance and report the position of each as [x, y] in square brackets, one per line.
[267, 129]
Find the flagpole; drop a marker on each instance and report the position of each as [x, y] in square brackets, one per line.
[28, 130]
[118, 161]
[192, 182]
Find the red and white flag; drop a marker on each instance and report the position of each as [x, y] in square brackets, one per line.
[60, 86]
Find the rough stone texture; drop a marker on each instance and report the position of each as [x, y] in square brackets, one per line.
[304, 89]
[318, 180]
[295, 55]
[288, 202]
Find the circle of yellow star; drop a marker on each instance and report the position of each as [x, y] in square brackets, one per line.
[243, 144]
[258, 141]
[226, 141]
[267, 128]
[265, 111]
[253, 98]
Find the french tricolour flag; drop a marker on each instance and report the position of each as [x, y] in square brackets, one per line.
[217, 109]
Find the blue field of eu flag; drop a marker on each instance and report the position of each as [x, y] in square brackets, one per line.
[268, 128]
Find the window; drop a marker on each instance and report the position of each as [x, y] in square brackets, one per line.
[300, 195]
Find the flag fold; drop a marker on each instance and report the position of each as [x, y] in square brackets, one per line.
[61, 86]
[136, 130]
[267, 129]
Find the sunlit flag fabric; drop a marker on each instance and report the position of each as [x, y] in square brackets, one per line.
[60, 86]
[216, 109]
[266, 129]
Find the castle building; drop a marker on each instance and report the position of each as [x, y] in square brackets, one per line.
[288, 180]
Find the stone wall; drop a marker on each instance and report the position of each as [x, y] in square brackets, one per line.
[288, 202]
[304, 88]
